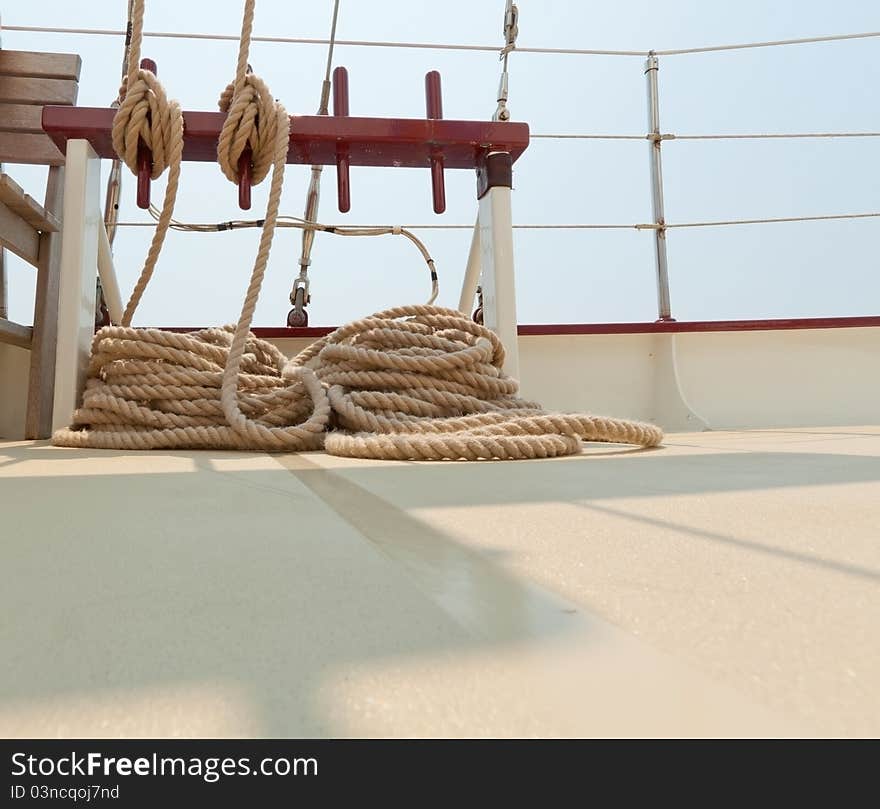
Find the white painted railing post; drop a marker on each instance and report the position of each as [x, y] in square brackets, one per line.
[107, 274]
[471, 273]
[495, 179]
[79, 260]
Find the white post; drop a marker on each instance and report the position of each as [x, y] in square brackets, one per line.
[79, 260]
[496, 256]
[107, 274]
[471, 273]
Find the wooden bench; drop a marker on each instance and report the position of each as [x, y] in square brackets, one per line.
[28, 81]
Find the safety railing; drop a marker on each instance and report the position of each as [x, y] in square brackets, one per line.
[654, 137]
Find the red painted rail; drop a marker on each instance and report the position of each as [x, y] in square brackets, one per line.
[674, 327]
[662, 327]
[314, 139]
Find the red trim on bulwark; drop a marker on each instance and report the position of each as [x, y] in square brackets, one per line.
[274, 333]
[660, 327]
[673, 326]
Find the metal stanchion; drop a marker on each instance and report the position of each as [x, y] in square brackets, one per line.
[652, 66]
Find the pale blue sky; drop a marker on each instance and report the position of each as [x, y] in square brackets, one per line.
[805, 269]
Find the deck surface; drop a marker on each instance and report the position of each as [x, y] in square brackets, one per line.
[726, 584]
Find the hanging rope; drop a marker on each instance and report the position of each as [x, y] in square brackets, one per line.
[147, 113]
[416, 382]
[253, 117]
[256, 119]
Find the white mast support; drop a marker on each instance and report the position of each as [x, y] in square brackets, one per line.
[83, 220]
[471, 273]
[107, 274]
[664, 307]
[494, 182]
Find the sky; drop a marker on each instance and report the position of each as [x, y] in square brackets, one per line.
[810, 269]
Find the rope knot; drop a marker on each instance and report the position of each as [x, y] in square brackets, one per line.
[146, 112]
[252, 120]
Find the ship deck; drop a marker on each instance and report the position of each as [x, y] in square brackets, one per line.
[723, 585]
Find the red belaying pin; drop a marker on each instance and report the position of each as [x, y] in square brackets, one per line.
[144, 156]
[340, 108]
[434, 105]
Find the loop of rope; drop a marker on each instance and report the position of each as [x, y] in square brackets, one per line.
[251, 120]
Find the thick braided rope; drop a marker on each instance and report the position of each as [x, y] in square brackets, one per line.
[425, 383]
[251, 115]
[412, 383]
[152, 389]
[255, 118]
[147, 113]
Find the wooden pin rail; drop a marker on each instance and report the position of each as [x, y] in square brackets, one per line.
[339, 140]
[314, 139]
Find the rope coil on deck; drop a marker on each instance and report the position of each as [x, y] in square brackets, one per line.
[412, 383]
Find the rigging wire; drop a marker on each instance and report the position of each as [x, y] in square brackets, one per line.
[114, 180]
[310, 226]
[510, 32]
[768, 44]
[325, 89]
[284, 221]
[349, 230]
[452, 46]
[774, 220]
[355, 43]
[299, 293]
[729, 136]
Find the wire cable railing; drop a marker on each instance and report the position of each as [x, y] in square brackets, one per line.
[729, 136]
[444, 46]
[224, 226]
[655, 137]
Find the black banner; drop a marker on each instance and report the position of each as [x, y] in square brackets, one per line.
[170, 773]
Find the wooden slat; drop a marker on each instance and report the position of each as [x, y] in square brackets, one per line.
[26, 90]
[21, 118]
[16, 334]
[40, 65]
[41, 387]
[18, 236]
[4, 297]
[14, 197]
[16, 147]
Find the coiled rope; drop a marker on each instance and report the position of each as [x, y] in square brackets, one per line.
[411, 383]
